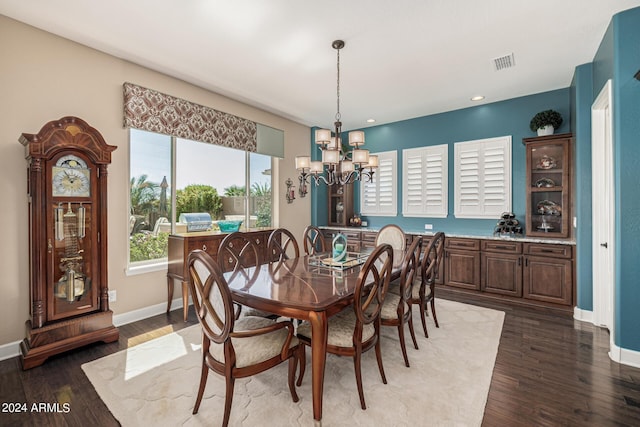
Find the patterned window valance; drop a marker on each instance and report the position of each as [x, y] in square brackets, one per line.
[150, 110]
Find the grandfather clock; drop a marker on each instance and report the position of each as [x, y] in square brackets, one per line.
[67, 184]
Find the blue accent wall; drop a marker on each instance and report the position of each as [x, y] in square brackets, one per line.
[626, 104]
[509, 117]
[582, 97]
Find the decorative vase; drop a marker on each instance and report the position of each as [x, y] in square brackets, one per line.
[339, 246]
[547, 130]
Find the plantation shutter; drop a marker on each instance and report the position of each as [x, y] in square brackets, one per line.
[425, 181]
[482, 178]
[379, 197]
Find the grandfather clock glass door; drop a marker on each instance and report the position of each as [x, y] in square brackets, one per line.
[72, 288]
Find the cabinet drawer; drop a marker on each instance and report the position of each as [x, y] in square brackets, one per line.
[369, 236]
[352, 235]
[501, 246]
[209, 245]
[550, 250]
[466, 244]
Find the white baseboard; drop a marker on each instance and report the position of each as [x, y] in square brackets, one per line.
[624, 356]
[582, 315]
[617, 354]
[146, 312]
[12, 349]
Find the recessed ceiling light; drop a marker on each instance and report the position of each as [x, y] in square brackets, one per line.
[477, 98]
[371, 120]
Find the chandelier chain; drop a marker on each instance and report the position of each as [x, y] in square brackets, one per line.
[338, 116]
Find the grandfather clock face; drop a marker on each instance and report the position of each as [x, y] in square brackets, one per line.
[71, 237]
[71, 177]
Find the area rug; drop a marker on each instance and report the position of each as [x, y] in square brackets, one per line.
[155, 383]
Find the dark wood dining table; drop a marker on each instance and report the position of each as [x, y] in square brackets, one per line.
[302, 288]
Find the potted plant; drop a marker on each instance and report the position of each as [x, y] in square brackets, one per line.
[545, 122]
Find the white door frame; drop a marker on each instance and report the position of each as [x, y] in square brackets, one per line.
[603, 198]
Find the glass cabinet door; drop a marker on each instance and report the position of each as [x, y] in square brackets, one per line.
[548, 167]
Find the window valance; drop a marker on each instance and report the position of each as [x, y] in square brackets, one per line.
[153, 111]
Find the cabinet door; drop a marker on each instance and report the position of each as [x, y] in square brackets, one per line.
[548, 187]
[548, 279]
[502, 273]
[463, 269]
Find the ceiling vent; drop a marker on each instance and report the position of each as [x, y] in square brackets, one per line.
[504, 62]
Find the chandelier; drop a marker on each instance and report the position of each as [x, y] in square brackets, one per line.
[337, 167]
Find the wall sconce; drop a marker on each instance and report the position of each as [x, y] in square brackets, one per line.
[291, 191]
[302, 188]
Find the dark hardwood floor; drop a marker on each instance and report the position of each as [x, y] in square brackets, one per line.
[550, 371]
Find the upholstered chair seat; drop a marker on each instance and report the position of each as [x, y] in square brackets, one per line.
[255, 349]
[341, 329]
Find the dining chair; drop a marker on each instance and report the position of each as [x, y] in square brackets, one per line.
[396, 310]
[235, 348]
[424, 286]
[313, 240]
[282, 245]
[393, 235]
[238, 254]
[354, 331]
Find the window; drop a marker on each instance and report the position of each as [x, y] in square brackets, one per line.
[208, 178]
[482, 177]
[424, 181]
[379, 197]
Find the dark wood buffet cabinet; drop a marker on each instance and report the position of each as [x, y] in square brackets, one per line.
[527, 272]
[532, 273]
[180, 244]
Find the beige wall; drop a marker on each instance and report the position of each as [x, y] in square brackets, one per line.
[44, 78]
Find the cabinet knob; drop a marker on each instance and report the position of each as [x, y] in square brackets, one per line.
[604, 245]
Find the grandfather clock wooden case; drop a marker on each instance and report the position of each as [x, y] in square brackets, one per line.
[67, 185]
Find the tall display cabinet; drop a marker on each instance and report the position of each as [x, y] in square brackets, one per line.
[67, 192]
[340, 204]
[548, 187]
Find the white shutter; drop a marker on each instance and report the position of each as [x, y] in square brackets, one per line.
[425, 181]
[482, 178]
[379, 197]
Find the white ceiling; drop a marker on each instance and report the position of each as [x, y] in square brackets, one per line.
[402, 59]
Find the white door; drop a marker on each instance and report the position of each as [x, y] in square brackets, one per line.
[602, 210]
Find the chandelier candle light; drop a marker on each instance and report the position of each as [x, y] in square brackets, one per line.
[341, 168]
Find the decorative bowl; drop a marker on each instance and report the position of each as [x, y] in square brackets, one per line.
[227, 226]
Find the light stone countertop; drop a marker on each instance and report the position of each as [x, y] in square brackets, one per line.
[467, 236]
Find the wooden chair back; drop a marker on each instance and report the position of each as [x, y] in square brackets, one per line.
[410, 268]
[432, 257]
[211, 296]
[282, 245]
[372, 285]
[313, 240]
[239, 255]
